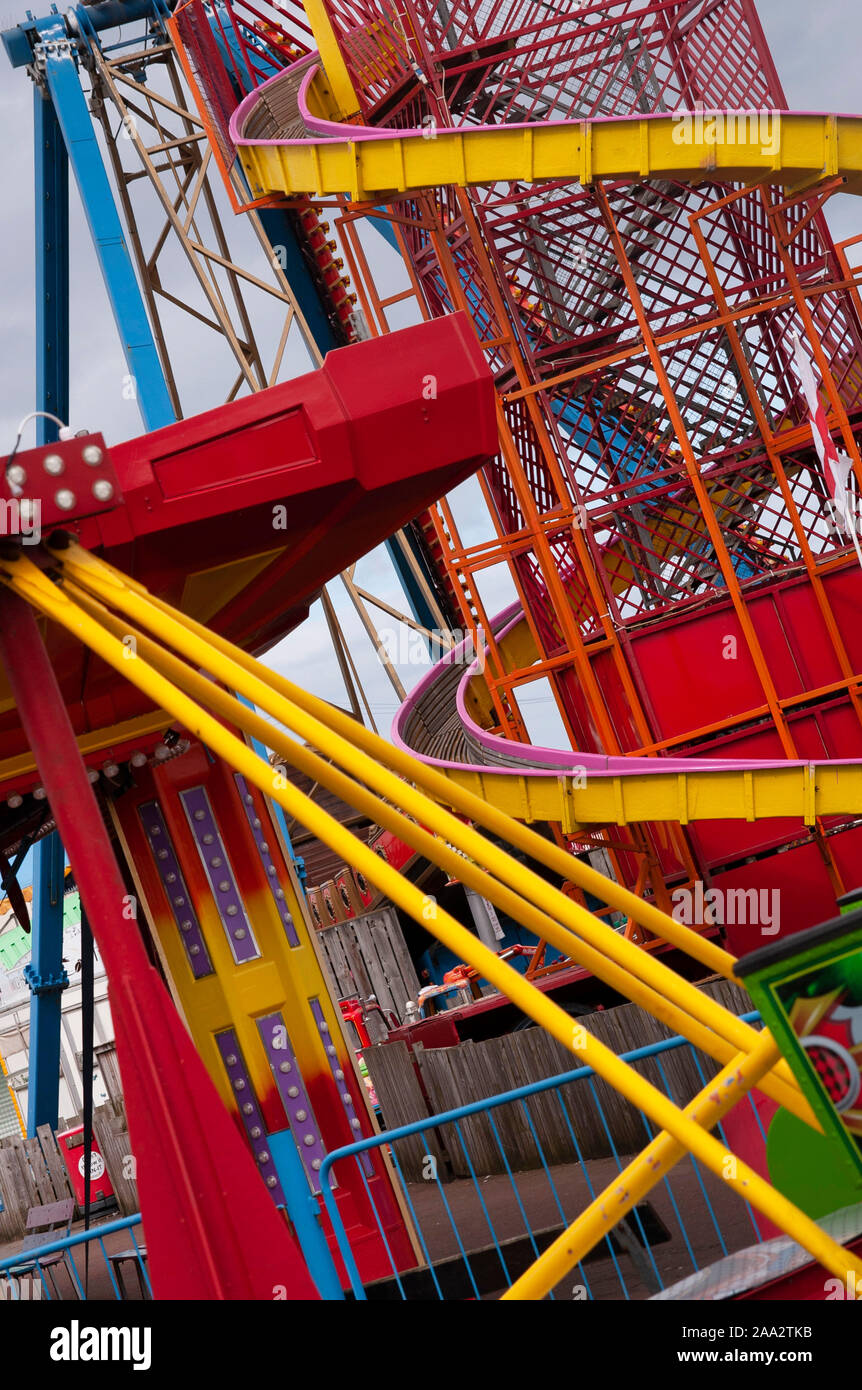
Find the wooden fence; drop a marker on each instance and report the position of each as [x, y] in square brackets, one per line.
[33, 1173]
[368, 955]
[430, 1081]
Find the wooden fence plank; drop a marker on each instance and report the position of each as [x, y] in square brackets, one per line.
[371, 961]
[387, 922]
[470, 1081]
[333, 984]
[392, 1071]
[113, 1141]
[16, 1196]
[436, 1070]
[334, 952]
[54, 1163]
[497, 1058]
[40, 1176]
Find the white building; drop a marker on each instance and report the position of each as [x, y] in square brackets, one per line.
[15, 1026]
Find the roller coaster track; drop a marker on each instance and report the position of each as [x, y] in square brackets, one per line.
[444, 722]
[288, 144]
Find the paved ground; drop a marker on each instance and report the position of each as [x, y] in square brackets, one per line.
[673, 1259]
[99, 1286]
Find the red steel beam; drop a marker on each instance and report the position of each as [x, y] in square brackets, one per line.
[212, 1230]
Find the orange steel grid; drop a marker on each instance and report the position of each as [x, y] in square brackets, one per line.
[670, 325]
[463, 264]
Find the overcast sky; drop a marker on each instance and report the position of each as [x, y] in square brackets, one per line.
[817, 50]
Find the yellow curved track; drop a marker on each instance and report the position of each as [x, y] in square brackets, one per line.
[799, 150]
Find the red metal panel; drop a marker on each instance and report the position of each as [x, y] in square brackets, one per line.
[240, 514]
[688, 681]
[847, 849]
[805, 896]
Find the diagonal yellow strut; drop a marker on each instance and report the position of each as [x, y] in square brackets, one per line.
[714, 1044]
[27, 580]
[194, 641]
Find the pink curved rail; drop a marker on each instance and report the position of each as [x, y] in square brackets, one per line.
[528, 758]
[322, 132]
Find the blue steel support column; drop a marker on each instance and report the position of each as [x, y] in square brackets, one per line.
[47, 980]
[45, 974]
[52, 266]
[64, 87]
[304, 1214]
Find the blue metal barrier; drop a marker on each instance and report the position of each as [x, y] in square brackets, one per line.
[28, 1262]
[633, 1240]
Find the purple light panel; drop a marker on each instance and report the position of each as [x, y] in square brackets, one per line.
[249, 1110]
[177, 893]
[266, 859]
[228, 901]
[340, 1081]
[291, 1088]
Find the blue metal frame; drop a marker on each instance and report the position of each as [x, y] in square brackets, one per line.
[47, 980]
[45, 974]
[52, 266]
[65, 1244]
[64, 90]
[304, 1212]
[518, 1094]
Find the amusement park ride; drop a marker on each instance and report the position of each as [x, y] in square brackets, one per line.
[618, 259]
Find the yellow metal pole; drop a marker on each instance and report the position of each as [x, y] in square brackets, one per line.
[28, 581]
[641, 1175]
[434, 848]
[437, 850]
[334, 66]
[133, 600]
[440, 787]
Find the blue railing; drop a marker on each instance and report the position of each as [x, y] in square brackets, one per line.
[28, 1263]
[638, 1238]
[479, 1257]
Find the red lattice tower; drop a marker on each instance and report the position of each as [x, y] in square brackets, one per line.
[642, 341]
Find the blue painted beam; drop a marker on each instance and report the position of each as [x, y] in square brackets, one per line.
[45, 974]
[304, 1213]
[52, 267]
[79, 136]
[47, 980]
